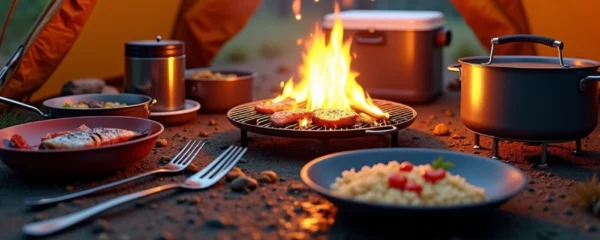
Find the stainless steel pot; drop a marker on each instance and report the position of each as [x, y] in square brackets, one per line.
[529, 97]
[219, 95]
[156, 68]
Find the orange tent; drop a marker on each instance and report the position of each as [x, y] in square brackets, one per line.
[70, 31]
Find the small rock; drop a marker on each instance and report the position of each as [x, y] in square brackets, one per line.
[69, 188]
[590, 228]
[441, 130]
[530, 207]
[570, 184]
[531, 182]
[243, 183]
[296, 188]
[457, 136]
[164, 160]
[100, 226]
[568, 212]
[153, 206]
[549, 185]
[203, 134]
[549, 199]
[448, 113]
[192, 168]
[545, 209]
[431, 117]
[161, 142]
[219, 223]
[562, 195]
[196, 200]
[181, 200]
[167, 236]
[233, 174]
[212, 122]
[530, 190]
[268, 176]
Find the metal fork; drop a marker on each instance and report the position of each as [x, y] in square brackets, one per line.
[181, 161]
[201, 180]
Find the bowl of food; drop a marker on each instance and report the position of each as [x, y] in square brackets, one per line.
[78, 146]
[416, 182]
[219, 89]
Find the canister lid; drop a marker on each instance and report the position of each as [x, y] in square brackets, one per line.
[388, 20]
[154, 48]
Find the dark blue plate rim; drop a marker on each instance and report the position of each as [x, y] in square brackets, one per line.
[327, 193]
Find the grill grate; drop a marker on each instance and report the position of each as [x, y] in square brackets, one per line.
[399, 114]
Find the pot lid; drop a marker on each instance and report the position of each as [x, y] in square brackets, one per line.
[530, 62]
[154, 48]
[394, 20]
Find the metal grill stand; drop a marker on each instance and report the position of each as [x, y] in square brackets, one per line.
[245, 118]
[544, 150]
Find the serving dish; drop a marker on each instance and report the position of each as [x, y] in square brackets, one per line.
[500, 181]
[101, 159]
[219, 94]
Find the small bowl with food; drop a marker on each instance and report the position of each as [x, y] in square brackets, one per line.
[219, 89]
[413, 182]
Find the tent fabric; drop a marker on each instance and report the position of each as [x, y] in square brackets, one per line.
[495, 18]
[205, 26]
[45, 52]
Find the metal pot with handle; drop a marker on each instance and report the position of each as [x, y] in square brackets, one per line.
[530, 98]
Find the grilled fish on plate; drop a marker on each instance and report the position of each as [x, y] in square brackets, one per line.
[81, 137]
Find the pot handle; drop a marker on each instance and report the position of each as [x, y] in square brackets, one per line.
[370, 37]
[454, 67]
[383, 131]
[583, 82]
[531, 39]
[23, 106]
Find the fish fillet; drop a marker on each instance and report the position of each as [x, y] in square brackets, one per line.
[93, 137]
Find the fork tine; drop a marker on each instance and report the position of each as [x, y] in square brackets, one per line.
[230, 164]
[185, 153]
[179, 153]
[213, 163]
[221, 163]
[193, 155]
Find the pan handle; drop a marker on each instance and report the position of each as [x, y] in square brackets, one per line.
[530, 39]
[382, 131]
[23, 105]
[454, 67]
[583, 82]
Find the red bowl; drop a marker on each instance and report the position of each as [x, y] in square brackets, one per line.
[77, 161]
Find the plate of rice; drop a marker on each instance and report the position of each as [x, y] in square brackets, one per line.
[392, 180]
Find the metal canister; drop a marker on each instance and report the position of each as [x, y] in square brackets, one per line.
[156, 68]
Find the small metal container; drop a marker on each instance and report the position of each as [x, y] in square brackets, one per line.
[219, 95]
[156, 68]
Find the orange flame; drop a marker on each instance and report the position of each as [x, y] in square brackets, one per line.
[327, 80]
[296, 5]
[347, 3]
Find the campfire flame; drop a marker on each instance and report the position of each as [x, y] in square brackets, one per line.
[327, 80]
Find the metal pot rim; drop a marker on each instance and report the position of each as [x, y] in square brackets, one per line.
[146, 102]
[573, 63]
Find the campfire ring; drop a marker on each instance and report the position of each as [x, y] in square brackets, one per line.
[247, 120]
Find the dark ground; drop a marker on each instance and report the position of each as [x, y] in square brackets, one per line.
[286, 210]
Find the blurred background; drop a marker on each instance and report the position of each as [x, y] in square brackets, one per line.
[269, 41]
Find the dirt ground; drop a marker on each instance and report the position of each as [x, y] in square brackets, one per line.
[287, 210]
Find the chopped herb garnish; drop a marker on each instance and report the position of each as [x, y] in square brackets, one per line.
[66, 105]
[440, 163]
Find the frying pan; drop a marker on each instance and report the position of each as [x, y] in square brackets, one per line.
[78, 162]
[137, 106]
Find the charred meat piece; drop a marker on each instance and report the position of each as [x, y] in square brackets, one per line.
[269, 107]
[334, 118]
[94, 137]
[283, 118]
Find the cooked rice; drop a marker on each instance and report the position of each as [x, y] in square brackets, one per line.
[371, 184]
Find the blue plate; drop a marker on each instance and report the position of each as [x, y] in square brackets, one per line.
[500, 180]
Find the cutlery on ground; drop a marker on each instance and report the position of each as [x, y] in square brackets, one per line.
[203, 179]
[181, 161]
